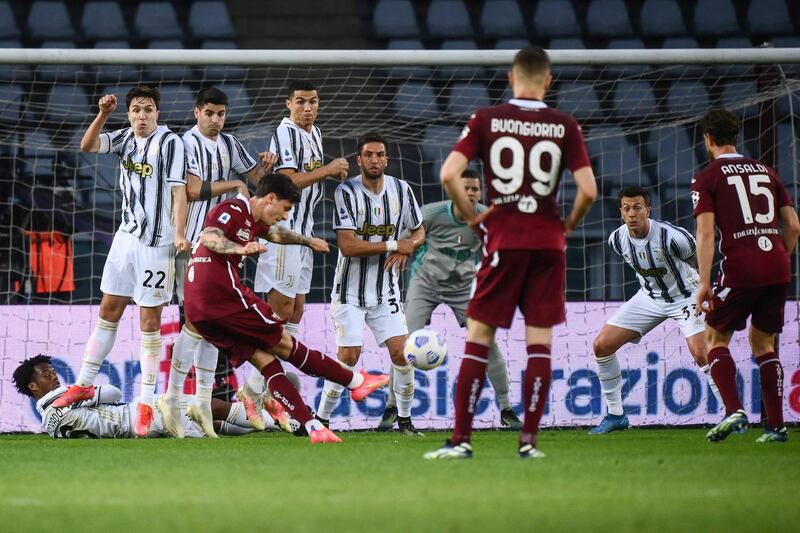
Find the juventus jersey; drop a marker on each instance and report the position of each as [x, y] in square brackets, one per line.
[664, 260]
[94, 418]
[362, 281]
[149, 168]
[212, 161]
[300, 151]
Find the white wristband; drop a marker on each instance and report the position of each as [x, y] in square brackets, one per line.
[391, 246]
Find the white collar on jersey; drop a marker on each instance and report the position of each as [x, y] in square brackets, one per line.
[292, 123]
[729, 156]
[361, 179]
[530, 104]
[212, 144]
[245, 200]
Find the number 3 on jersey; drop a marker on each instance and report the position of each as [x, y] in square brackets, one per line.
[508, 179]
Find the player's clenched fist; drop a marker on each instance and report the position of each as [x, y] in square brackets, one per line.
[268, 160]
[338, 168]
[107, 104]
[253, 248]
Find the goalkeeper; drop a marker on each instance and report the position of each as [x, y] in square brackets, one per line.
[442, 273]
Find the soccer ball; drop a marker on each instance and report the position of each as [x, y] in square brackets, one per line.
[426, 349]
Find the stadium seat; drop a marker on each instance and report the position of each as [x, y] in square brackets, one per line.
[680, 42]
[464, 71]
[674, 153]
[769, 18]
[661, 18]
[448, 19]
[555, 18]
[617, 71]
[787, 144]
[395, 18]
[416, 101]
[8, 23]
[465, 98]
[733, 70]
[40, 154]
[62, 73]
[786, 42]
[157, 20]
[633, 99]
[608, 18]
[256, 137]
[570, 71]
[713, 18]
[210, 20]
[216, 73]
[49, 20]
[240, 105]
[167, 73]
[511, 44]
[410, 71]
[502, 18]
[11, 104]
[614, 159]
[176, 105]
[115, 73]
[579, 99]
[689, 43]
[103, 20]
[438, 142]
[14, 73]
[688, 98]
[67, 104]
[739, 92]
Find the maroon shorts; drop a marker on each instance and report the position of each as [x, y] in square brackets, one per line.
[532, 280]
[241, 333]
[731, 307]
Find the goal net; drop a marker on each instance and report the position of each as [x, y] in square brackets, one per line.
[639, 110]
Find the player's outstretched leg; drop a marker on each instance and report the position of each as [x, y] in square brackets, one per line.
[536, 391]
[471, 377]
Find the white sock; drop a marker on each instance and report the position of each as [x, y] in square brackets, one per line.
[403, 388]
[292, 328]
[314, 424]
[611, 383]
[205, 368]
[713, 386]
[149, 356]
[255, 381]
[331, 392]
[357, 381]
[97, 348]
[226, 428]
[182, 358]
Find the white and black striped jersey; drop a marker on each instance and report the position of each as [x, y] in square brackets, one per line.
[362, 281]
[99, 417]
[664, 261]
[212, 161]
[300, 151]
[149, 168]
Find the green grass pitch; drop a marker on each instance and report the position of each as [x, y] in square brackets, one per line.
[639, 480]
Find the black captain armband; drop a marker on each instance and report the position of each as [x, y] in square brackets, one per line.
[205, 191]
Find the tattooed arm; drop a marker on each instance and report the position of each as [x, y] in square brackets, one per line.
[281, 235]
[215, 240]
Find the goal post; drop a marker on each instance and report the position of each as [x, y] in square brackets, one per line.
[638, 109]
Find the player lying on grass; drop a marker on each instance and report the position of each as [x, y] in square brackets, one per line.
[234, 319]
[102, 416]
[664, 258]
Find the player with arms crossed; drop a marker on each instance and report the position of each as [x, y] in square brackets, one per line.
[141, 260]
[524, 146]
[758, 227]
[213, 159]
[664, 259]
[442, 273]
[372, 211]
[231, 317]
[284, 273]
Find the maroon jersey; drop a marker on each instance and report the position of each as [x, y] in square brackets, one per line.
[213, 288]
[745, 197]
[524, 146]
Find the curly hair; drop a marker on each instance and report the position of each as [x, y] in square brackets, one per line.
[23, 375]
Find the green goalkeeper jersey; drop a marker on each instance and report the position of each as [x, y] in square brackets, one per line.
[448, 257]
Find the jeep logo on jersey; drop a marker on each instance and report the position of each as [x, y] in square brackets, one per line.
[652, 272]
[145, 170]
[311, 165]
[382, 230]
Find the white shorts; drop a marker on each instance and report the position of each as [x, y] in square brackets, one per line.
[285, 268]
[145, 273]
[641, 314]
[384, 320]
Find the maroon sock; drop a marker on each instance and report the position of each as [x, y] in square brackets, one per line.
[535, 390]
[771, 371]
[283, 391]
[317, 364]
[723, 372]
[471, 378]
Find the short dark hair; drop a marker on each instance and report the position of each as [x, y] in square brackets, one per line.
[210, 95]
[280, 184]
[372, 137]
[471, 173]
[722, 125]
[532, 60]
[633, 192]
[143, 91]
[23, 375]
[300, 85]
